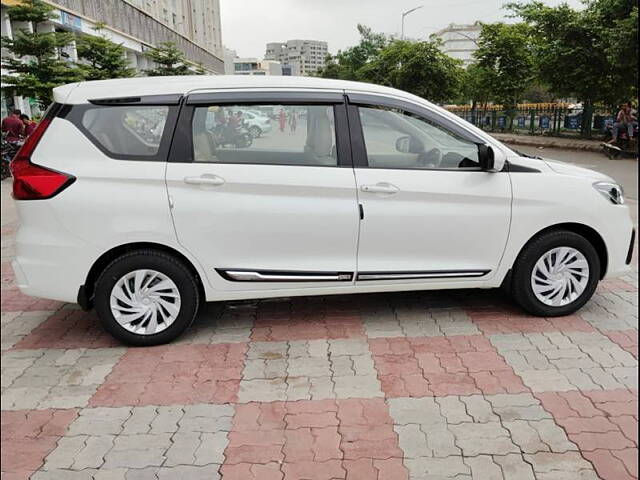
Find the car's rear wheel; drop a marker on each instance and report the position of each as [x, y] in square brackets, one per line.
[555, 274]
[255, 131]
[146, 297]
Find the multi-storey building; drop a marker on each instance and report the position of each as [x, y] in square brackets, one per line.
[298, 57]
[254, 66]
[192, 25]
[460, 41]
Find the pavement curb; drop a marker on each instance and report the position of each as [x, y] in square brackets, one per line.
[549, 143]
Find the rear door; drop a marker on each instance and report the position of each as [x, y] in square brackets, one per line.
[276, 212]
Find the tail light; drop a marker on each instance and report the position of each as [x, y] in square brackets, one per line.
[31, 181]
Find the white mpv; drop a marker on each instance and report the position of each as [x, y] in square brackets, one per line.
[134, 199]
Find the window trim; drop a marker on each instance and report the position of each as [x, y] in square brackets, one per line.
[358, 145]
[182, 144]
[75, 113]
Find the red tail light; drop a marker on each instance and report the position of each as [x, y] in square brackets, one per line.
[31, 181]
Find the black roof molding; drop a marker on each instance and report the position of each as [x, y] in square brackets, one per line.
[170, 99]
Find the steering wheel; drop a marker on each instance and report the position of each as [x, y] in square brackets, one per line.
[431, 159]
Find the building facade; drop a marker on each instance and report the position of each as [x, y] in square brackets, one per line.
[254, 66]
[192, 25]
[460, 41]
[300, 57]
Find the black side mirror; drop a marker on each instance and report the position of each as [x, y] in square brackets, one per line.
[486, 157]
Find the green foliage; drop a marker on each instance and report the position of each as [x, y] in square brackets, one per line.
[504, 56]
[476, 83]
[346, 65]
[591, 54]
[104, 58]
[417, 67]
[34, 64]
[169, 61]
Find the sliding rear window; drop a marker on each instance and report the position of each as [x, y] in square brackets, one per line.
[126, 132]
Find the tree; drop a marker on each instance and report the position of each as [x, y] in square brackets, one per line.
[104, 58]
[591, 53]
[475, 85]
[35, 64]
[346, 65]
[504, 55]
[169, 60]
[416, 67]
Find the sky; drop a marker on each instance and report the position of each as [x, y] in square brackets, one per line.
[248, 25]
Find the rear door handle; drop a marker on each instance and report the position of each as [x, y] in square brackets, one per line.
[381, 187]
[206, 179]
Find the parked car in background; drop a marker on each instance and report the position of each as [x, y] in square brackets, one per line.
[256, 123]
[147, 216]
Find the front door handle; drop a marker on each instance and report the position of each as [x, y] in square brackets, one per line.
[381, 187]
[206, 179]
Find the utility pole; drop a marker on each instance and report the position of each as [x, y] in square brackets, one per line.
[404, 14]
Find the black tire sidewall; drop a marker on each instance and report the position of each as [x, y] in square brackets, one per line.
[163, 263]
[521, 286]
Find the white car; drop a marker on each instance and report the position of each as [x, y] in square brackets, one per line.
[256, 123]
[127, 206]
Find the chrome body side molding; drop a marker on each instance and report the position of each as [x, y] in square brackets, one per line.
[364, 276]
[246, 275]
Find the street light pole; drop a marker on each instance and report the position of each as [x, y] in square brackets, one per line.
[404, 14]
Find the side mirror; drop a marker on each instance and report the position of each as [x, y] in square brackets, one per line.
[490, 159]
[408, 144]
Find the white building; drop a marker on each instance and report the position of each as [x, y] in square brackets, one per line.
[192, 25]
[298, 57]
[460, 41]
[254, 66]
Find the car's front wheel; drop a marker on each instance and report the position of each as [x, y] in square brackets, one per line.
[555, 274]
[146, 297]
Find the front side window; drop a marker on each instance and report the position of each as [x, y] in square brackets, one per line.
[397, 139]
[127, 130]
[265, 134]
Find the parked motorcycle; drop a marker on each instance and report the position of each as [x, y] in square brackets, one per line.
[9, 150]
[625, 146]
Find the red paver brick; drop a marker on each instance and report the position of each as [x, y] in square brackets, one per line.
[28, 436]
[174, 375]
[315, 439]
[69, 329]
[615, 285]
[15, 301]
[601, 425]
[252, 471]
[625, 339]
[7, 275]
[441, 366]
[608, 466]
[491, 323]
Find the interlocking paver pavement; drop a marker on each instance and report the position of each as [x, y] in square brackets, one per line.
[419, 386]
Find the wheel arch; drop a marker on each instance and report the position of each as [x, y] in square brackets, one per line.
[86, 293]
[589, 233]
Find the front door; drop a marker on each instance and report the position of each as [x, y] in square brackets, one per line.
[278, 211]
[430, 212]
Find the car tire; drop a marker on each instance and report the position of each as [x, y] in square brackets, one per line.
[543, 255]
[255, 132]
[167, 288]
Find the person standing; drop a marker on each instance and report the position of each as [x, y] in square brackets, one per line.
[293, 121]
[282, 119]
[13, 126]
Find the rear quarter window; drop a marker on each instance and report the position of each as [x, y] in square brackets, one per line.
[127, 131]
